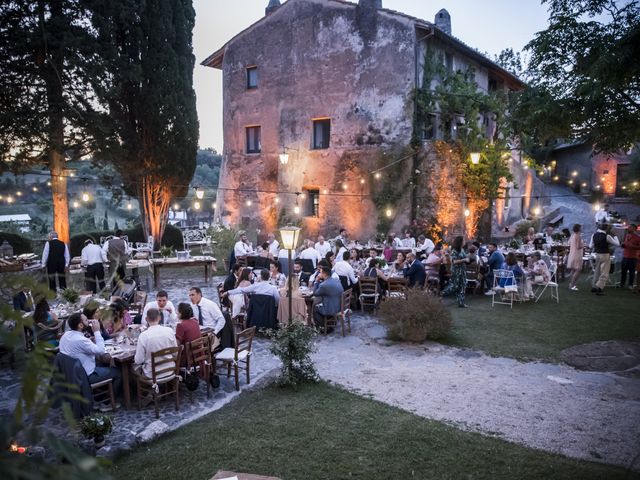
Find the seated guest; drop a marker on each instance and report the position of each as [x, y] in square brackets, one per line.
[329, 292]
[511, 263]
[315, 276]
[373, 271]
[373, 253]
[397, 267]
[340, 249]
[237, 300]
[310, 253]
[540, 268]
[330, 257]
[90, 310]
[276, 276]
[495, 262]
[273, 245]
[342, 268]
[530, 237]
[322, 247]
[396, 242]
[156, 337]
[263, 287]
[74, 344]
[414, 271]
[300, 276]
[206, 311]
[168, 315]
[42, 315]
[113, 320]
[408, 241]
[482, 251]
[424, 245]
[232, 279]
[264, 252]
[355, 262]
[433, 261]
[243, 247]
[187, 329]
[548, 235]
[472, 253]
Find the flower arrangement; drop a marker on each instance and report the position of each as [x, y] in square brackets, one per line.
[515, 244]
[166, 251]
[70, 295]
[96, 426]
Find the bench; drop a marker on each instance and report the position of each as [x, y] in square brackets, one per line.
[197, 237]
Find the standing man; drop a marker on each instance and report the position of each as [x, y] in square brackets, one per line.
[165, 308]
[154, 338]
[495, 262]
[117, 252]
[329, 294]
[631, 247]
[92, 260]
[56, 258]
[600, 242]
[206, 311]
[322, 247]
[273, 245]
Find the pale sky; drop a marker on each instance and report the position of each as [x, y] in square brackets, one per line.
[487, 25]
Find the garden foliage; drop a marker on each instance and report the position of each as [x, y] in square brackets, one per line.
[293, 345]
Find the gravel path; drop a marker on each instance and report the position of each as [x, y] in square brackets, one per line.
[585, 415]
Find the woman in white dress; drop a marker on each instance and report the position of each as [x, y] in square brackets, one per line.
[237, 299]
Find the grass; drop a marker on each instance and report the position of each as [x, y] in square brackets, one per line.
[322, 432]
[541, 331]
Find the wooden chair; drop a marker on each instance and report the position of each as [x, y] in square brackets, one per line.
[233, 357]
[225, 304]
[397, 287]
[242, 261]
[199, 359]
[138, 303]
[345, 310]
[165, 368]
[473, 272]
[103, 395]
[369, 292]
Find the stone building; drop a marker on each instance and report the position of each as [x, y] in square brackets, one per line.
[317, 95]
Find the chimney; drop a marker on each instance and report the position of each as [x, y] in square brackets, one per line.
[443, 21]
[272, 7]
[370, 3]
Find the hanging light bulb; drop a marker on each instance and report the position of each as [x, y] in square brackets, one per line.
[344, 186]
[556, 178]
[570, 182]
[325, 191]
[597, 187]
[48, 183]
[85, 197]
[302, 196]
[276, 200]
[75, 204]
[536, 211]
[196, 205]
[199, 193]
[71, 174]
[362, 181]
[574, 173]
[377, 175]
[388, 212]
[214, 205]
[129, 206]
[1, 197]
[467, 212]
[296, 209]
[9, 199]
[596, 206]
[584, 184]
[176, 206]
[249, 203]
[35, 189]
[18, 193]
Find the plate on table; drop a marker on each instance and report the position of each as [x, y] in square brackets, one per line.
[113, 350]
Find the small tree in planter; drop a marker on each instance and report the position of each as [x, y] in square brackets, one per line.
[70, 295]
[293, 345]
[96, 426]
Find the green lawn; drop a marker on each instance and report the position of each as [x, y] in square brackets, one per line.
[540, 331]
[322, 432]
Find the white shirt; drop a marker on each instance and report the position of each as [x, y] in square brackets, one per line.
[427, 246]
[409, 242]
[127, 247]
[311, 254]
[155, 338]
[259, 288]
[76, 345]
[323, 248]
[602, 216]
[45, 254]
[242, 249]
[169, 318]
[610, 240]
[340, 253]
[313, 276]
[92, 254]
[397, 243]
[273, 248]
[343, 269]
[212, 316]
[284, 253]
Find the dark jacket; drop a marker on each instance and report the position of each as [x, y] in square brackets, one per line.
[415, 273]
[21, 303]
[55, 260]
[68, 370]
[262, 312]
[330, 291]
[229, 282]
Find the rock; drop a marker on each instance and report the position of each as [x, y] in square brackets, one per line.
[610, 356]
[153, 430]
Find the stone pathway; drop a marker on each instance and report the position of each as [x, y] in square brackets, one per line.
[585, 415]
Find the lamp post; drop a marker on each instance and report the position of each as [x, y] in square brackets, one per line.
[289, 237]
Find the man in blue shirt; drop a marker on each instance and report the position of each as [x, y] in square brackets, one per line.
[495, 262]
[329, 291]
[415, 271]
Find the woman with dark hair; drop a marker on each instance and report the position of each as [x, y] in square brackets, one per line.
[340, 249]
[574, 261]
[276, 277]
[330, 257]
[238, 299]
[458, 282]
[187, 328]
[397, 267]
[45, 323]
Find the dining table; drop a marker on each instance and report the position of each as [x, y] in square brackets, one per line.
[298, 306]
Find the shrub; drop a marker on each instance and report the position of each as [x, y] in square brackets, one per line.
[415, 319]
[19, 243]
[225, 239]
[523, 227]
[293, 345]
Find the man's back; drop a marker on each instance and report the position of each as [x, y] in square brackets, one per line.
[117, 250]
[155, 338]
[331, 292]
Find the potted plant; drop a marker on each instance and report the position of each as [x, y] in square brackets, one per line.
[96, 426]
[166, 251]
[70, 295]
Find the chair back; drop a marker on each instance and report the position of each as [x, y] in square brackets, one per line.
[503, 278]
[198, 352]
[242, 261]
[368, 285]
[346, 301]
[262, 311]
[262, 263]
[307, 265]
[225, 303]
[397, 286]
[244, 340]
[344, 281]
[165, 363]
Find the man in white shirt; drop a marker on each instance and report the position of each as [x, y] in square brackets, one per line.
[397, 241]
[408, 241]
[273, 245]
[263, 287]
[322, 247]
[92, 259]
[56, 257]
[602, 215]
[153, 339]
[206, 311]
[242, 247]
[310, 253]
[425, 245]
[168, 315]
[342, 268]
[74, 344]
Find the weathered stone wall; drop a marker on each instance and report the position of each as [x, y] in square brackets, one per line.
[315, 59]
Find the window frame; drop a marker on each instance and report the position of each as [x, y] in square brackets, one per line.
[326, 134]
[248, 71]
[258, 140]
[311, 207]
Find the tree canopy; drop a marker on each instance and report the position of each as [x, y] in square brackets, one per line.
[584, 74]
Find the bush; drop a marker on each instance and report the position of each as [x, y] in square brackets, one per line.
[225, 239]
[172, 237]
[523, 227]
[19, 243]
[293, 345]
[415, 319]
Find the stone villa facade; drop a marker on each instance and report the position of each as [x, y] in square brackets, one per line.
[327, 85]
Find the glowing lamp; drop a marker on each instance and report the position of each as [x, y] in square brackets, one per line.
[35, 189]
[635, 184]
[536, 211]
[129, 206]
[377, 175]
[584, 184]
[289, 237]
[277, 200]
[9, 199]
[85, 197]
[48, 184]
[475, 157]
[570, 182]
[196, 205]
[556, 178]
[362, 181]
[19, 193]
[466, 212]
[284, 158]
[344, 186]
[76, 204]
[176, 206]
[249, 203]
[214, 205]
[296, 209]
[388, 213]
[199, 193]
[596, 206]
[574, 173]
[325, 191]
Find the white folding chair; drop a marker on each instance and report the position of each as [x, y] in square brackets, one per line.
[505, 288]
[552, 285]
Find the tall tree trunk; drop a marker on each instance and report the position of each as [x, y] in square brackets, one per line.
[59, 193]
[155, 199]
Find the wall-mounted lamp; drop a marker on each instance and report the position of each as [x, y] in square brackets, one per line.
[467, 212]
[199, 193]
[475, 157]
